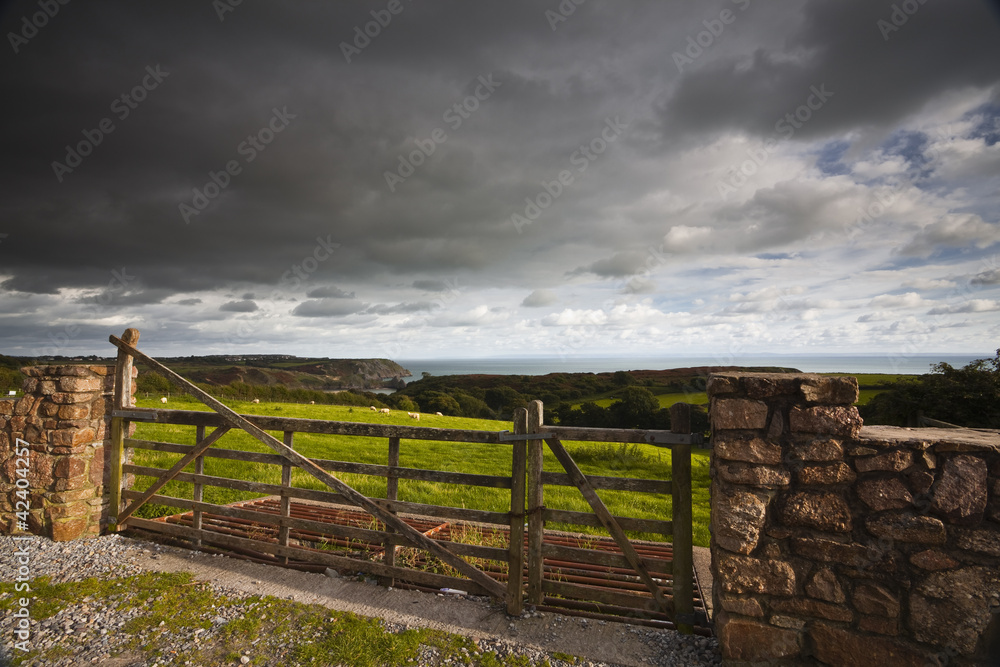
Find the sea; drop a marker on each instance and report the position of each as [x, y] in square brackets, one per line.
[889, 363]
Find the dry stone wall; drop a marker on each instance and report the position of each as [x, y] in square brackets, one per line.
[838, 544]
[64, 417]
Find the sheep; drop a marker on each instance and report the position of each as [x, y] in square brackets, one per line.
[384, 411]
[373, 408]
[414, 415]
[163, 399]
[256, 400]
[439, 414]
[312, 402]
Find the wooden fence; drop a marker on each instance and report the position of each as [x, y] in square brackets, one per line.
[667, 590]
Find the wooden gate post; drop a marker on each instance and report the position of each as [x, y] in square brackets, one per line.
[122, 395]
[680, 463]
[536, 504]
[515, 558]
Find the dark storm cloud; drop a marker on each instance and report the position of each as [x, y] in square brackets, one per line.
[877, 76]
[244, 161]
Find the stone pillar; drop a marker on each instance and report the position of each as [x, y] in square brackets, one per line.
[759, 422]
[64, 418]
[837, 545]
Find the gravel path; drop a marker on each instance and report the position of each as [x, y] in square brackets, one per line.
[87, 633]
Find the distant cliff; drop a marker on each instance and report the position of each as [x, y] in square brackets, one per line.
[292, 372]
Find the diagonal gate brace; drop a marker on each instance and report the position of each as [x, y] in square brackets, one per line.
[414, 537]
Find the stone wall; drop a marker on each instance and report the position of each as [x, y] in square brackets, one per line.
[64, 416]
[842, 545]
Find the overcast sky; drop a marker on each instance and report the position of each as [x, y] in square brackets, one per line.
[417, 179]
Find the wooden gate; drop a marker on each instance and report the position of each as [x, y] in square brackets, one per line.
[530, 556]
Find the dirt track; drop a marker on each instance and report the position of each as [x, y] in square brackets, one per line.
[592, 640]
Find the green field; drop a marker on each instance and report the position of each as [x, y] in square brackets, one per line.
[640, 461]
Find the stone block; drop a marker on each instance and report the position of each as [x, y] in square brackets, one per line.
[789, 622]
[894, 461]
[6, 407]
[953, 608]
[768, 385]
[907, 527]
[73, 411]
[932, 559]
[71, 483]
[831, 420]
[69, 466]
[39, 473]
[920, 481]
[65, 397]
[777, 427]
[822, 511]
[744, 574]
[824, 586]
[722, 384]
[753, 475]
[72, 438]
[981, 540]
[48, 409]
[753, 641]
[96, 467]
[79, 384]
[879, 624]
[843, 648]
[744, 606]
[834, 473]
[818, 449]
[63, 497]
[738, 414]
[831, 551]
[814, 608]
[960, 493]
[830, 390]
[884, 494]
[749, 450]
[737, 519]
[69, 529]
[47, 387]
[68, 511]
[875, 600]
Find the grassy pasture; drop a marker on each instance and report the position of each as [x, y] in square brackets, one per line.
[641, 461]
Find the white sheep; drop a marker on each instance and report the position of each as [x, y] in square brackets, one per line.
[414, 415]
[312, 402]
[373, 408]
[439, 414]
[384, 411]
[163, 399]
[256, 400]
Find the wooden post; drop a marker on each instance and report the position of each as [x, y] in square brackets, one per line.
[391, 493]
[683, 566]
[286, 502]
[119, 427]
[515, 558]
[199, 489]
[536, 502]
